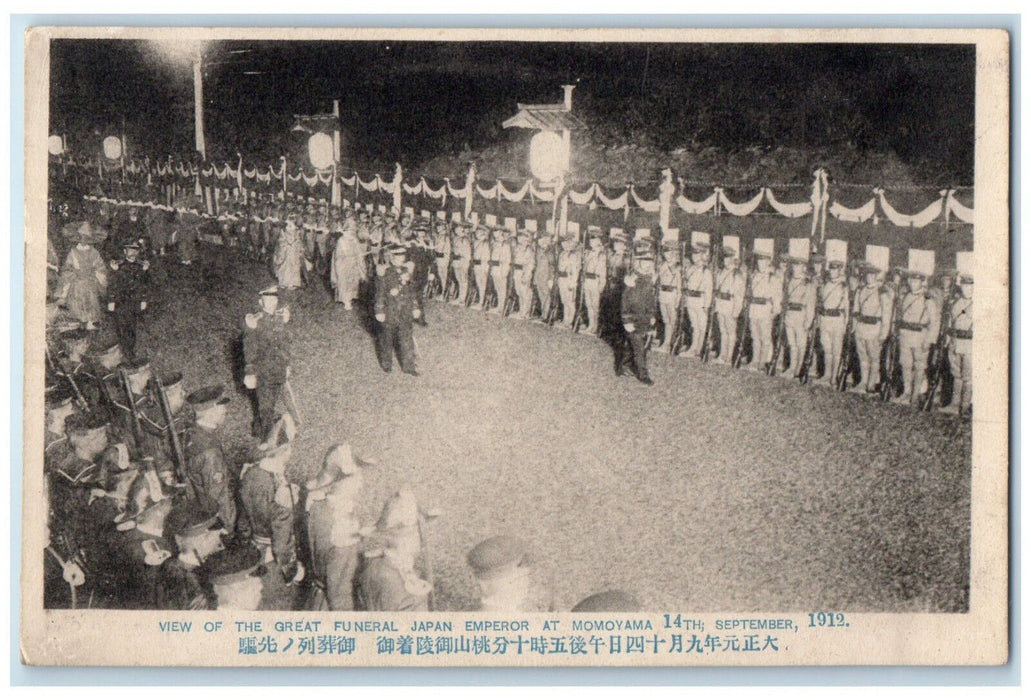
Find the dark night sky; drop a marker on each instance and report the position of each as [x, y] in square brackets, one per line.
[411, 101]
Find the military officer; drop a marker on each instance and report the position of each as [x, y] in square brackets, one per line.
[833, 310]
[618, 259]
[698, 292]
[637, 312]
[421, 256]
[872, 317]
[570, 259]
[197, 534]
[461, 256]
[960, 337]
[799, 305]
[523, 270]
[544, 273]
[387, 579]
[333, 528]
[500, 265]
[127, 294]
[596, 270]
[206, 466]
[267, 358]
[919, 323]
[670, 283]
[268, 521]
[731, 283]
[765, 296]
[237, 576]
[503, 569]
[394, 307]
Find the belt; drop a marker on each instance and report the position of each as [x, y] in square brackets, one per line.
[591, 275]
[563, 274]
[792, 306]
[494, 263]
[477, 261]
[456, 257]
[667, 287]
[517, 266]
[830, 312]
[440, 255]
[961, 335]
[868, 320]
[697, 293]
[906, 326]
[725, 296]
[760, 301]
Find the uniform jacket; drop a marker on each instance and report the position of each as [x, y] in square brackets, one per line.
[382, 585]
[698, 278]
[732, 283]
[333, 537]
[127, 287]
[395, 294]
[210, 474]
[637, 305]
[268, 506]
[265, 350]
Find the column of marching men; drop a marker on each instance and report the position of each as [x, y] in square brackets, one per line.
[145, 510]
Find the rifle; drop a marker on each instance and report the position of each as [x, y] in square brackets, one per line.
[173, 436]
[739, 346]
[778, 340]
[939, 351]
[810, 352]
[79, 398]
[845, 361]
[509, 292]
[680, 324]
[578, 298]
[556, 299]
[710, 321]
[137, 432]
[891, 359]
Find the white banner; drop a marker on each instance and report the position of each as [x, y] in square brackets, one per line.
[792, 211]
[648, 205]
[858, 215]
[918, 220]
[743, 208]
[692, 207]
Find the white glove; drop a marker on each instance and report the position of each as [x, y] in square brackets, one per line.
[146, 265]
[299, 576]
[73, 574]
[382, 318]
[630, 328]
[143, 306]
[286, 314]
[288, 371]
[416, 313]
[250, 381]
[110, 306]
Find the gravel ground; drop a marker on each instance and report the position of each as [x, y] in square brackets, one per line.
[713, 490]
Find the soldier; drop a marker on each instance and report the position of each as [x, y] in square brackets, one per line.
[206, 466]
[237, 574]
[960, 337]
[833, 310]
[730, 298]
[394, 306]
[268, 509]
[609, 601]
[155, 426]
[596, 270]
[570, 260]
[872, 314]
[698, 290]
[765, 294]
[267, 358]
[637, 313]
[83, 278]
[125, 411]
[461, 255]
[60, 405]
[670, 283]
[799, 305]
[73, 364]
[421, 257]
[522, 271]
[919, 323]
[142, 546]
[333, 528]
[617, 266]
[127, 294]
[500, 265]
[481, 262]
[503, 569]
[441, 256]
[197, 534]
[544, 273]
[387, 580]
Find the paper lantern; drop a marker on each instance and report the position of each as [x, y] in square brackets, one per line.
[320, 150]
[112, 148]
[549, 156]
[55, 144]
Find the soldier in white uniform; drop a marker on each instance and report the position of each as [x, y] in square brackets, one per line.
[698, 292]
[481, 261]
[919, 323]
[960, 337]
[833, 310]
[522, 270]
[500, 265]
[569, 261]
[669, 280]
[595, 276]
[872, 313]
[441, 254]
[461, 254]
[765, 294]
[731, 283]
[799, 305]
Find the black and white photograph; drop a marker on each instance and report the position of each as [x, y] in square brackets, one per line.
[620, 327]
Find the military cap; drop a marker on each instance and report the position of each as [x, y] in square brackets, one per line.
[234, 564]
[608, 601]
[190, 519]
[340, 463]
[58, 397]
[401, 511]
[109, 355]
[170, 379]
[207, 397]
[876, 258]
[498, 556]
[270, 291]
[87, 422]
[643, 249]
[136, 365]
[700, 241]
[921, 263]
[264, 452]
[762, 248]
[74, 335]
[836, 251]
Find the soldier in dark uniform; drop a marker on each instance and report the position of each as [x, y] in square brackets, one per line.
[266, 358]
[387, 580]
[333, 529]
[421, 255]
[127, 294]
[198, 534]
[142, 545]
[236, 574]
[138, 373]
[638, 313]
[611, 299]
[395, 308]
[60, 406]
[212, 478]
[154, 426]
[267, 520]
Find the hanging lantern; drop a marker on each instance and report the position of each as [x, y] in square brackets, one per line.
[549, 156]
[321, 151]
[112, 148]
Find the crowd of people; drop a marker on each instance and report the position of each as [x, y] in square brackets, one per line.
[146, 511]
